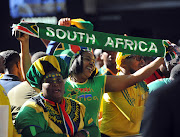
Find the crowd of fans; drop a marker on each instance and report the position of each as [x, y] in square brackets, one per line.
[95, 93]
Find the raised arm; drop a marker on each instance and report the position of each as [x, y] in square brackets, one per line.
[45, 42]
[117, 83]
[25, 55]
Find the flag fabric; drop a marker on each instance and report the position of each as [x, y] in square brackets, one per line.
[94, 39]
[171, 57]
[82, 24]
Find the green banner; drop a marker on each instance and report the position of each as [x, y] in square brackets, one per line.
[94, 39]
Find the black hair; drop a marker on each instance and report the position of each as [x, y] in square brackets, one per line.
[37, 55]
[76, 67]
[11, 57]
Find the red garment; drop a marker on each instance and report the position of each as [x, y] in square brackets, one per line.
[154, 76]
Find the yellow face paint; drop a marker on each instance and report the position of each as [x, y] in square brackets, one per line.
[53, 78]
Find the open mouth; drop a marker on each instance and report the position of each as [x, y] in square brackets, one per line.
[56, 90]
[90, 69]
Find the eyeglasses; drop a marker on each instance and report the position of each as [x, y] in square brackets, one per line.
[137, 57]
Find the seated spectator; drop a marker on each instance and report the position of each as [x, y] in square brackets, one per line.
[13, 74]
[49, 114]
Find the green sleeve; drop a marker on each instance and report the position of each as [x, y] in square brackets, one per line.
[33, 131]
[90, 126]
[32, 124]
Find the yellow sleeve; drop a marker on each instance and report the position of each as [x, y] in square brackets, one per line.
[5, 101]
[131, 112]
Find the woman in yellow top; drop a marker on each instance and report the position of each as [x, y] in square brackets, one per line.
[5, 102]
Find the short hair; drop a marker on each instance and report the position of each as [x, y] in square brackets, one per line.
[76, 67]
[175, 72]
[2, 66]
[11, 57]
[37, 55]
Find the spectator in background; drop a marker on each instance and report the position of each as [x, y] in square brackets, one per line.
[109, 68]
[158, 74]
[122, 111]
[13, 75]
[109, 61]
[161, 116]
[37, 55]
[22, 92]
[49, 114]
[174, 74]
[2, 64]
[154, 85]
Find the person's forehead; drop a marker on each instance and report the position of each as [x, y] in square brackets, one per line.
[88, 54]
[53, 74]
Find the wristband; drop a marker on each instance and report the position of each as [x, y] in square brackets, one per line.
[87, 132]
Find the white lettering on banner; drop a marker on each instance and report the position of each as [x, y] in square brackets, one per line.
[132, 45]
[140, 46]
[128, 43]
[61, 34]
[135, 46]
[81, 35]
[50, 32]
[119, 41]
[61, 37]
[153, 47]
[92, 38]
[109, 42]
[69, 37]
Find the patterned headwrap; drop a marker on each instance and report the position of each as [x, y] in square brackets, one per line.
[44, 65]
[119, 57]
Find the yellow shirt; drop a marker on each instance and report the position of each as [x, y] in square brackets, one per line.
[122, 111]
[5, 101]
